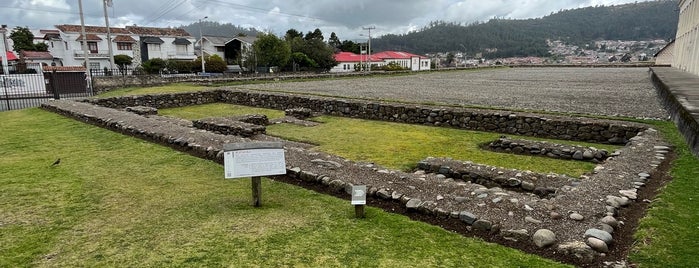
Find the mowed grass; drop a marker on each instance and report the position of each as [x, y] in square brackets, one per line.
[218, 110]
[116, 201]
[669, 234]
[171, 88]
[393, 145]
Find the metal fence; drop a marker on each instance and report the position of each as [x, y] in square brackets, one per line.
[29, 86]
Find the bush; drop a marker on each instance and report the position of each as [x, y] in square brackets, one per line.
[214, 64]
[178, 66]
[153, 66]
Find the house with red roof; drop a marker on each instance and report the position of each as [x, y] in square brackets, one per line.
[40, 57]
[348, 60]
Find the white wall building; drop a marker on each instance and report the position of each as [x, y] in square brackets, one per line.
[347, 60]
[231, 49]
[686, 54]
[140, 43]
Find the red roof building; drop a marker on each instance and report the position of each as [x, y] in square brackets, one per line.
[10, 56]
[348, 60]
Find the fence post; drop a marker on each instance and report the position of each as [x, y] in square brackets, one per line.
[52, 83]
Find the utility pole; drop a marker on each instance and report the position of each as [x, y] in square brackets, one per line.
[369, 28]
[201, 47]
[108, 3]
[85, 52]
[3, 43]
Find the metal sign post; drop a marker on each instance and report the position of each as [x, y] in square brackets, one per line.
[255, 159]
[359, 200]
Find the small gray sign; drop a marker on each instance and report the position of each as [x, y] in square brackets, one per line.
[359, 195]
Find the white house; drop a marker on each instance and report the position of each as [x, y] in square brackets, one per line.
[140, 43]
[66, 46]
[347, 60]
[230, 49]
[164, 43]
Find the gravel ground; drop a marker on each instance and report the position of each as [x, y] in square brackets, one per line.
[598, 91]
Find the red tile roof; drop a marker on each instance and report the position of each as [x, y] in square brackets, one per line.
[90, 29]
[90, 37]
[64, 68]
[10, 56]
[36, 55]
[157, 31]
[352, 57]
[124, 39]
[396, 55]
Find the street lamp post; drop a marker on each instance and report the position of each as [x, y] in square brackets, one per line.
[201, 47]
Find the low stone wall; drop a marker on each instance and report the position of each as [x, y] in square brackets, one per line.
[546, 149]
[550, 126]
[675, 89]
[227, 126]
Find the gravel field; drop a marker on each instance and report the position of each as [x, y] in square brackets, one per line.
[598, 91]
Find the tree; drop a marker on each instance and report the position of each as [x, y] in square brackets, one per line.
[215, 64]
[320, 52]
[271, 51]
[316, 34]
[334, 41]
[23, 39]
[349, 46]
[153, 66]
[291, 34]
[122, 61]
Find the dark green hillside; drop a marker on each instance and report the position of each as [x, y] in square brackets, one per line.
[507, 37]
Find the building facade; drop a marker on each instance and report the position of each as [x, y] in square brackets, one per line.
[686, 53]
[347, 61]
[139, 43]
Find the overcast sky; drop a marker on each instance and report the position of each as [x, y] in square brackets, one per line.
[345, 17]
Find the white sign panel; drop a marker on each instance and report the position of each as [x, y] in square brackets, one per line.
[359, 195]
[254, 162]
[22, 84]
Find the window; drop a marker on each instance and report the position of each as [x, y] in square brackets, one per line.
[94, 65]
[153, 47]
[66, 43]
[92, 46]
[182, 49]
[220, 49]
[123, 46]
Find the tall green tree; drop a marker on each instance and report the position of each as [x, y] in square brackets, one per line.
[23, 39]
[291, 34]
[334, 41]
[316, 34]
[271, 51]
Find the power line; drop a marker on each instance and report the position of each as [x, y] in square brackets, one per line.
[261, 10]
[165, 12]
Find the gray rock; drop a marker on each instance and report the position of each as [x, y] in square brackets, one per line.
[516, 235]
[440, 197]
[576, 217]
[454, 214]
[482, 225]
[606, 227]
[460, 199]
[630, 194]
[579, 250]
[496, 200]
[467, 217]
[597, 244]
[616, 201]
[599, 234]
[383, 193]
[413, 204]
[544, 238]
[528, 186]
[441, 177]
[555, 215]
[513, 182]
[578, 155]
[588, 154]
[396, 195]
[326, 163]
[611, 221]
[531, 220]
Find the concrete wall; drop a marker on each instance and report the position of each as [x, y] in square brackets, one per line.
[674, 89]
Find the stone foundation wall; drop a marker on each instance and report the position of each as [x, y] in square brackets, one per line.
[555, 127]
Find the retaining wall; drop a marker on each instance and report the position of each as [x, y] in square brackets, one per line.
[679, 93]
[555, 127]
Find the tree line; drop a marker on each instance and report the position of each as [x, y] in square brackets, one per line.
[500, 37]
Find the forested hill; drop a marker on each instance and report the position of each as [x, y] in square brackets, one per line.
[509, 38]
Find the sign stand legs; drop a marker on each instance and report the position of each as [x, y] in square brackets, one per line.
[359, 211]
[256, 191]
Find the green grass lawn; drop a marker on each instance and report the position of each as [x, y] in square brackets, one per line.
[117, 201]
[171, 88]
[394, 145]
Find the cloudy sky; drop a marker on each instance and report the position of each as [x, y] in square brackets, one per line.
[345, 17]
